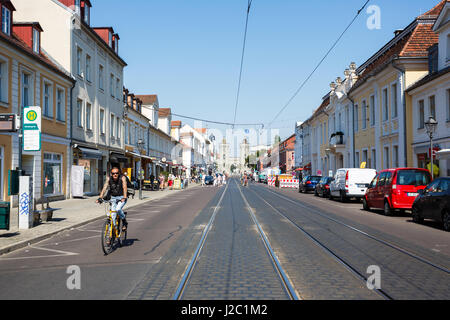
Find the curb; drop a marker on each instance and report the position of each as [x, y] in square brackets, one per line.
[29, 242]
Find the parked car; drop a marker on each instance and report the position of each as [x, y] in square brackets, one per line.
[323, 187]
[351, 183]
[209, 180]
[308, 183]
[433, 202]
[396, 189]
[263, 178]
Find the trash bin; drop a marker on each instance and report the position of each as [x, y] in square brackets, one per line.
[4, 215]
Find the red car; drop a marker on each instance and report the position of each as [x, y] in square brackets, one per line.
[395, 189]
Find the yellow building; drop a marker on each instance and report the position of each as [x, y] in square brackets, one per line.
[382, 111]
[30, 78]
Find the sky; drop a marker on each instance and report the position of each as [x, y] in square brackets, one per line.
[188, 52]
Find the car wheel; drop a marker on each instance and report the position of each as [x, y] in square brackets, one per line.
[446, 220]
[387, 209]
[416, 215]
[330, 196]
[365, 205]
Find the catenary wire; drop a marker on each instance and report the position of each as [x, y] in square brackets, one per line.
[319, 64]
[242, 61]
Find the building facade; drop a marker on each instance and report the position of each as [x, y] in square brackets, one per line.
[28, 77]
[91, 56]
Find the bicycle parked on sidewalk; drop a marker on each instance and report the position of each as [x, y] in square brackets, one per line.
[112, 232]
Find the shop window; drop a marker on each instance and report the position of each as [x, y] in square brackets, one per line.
[52, 174]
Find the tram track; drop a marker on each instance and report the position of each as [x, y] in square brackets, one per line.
[286, 283]
[347, 262]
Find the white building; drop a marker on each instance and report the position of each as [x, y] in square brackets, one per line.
[431, 98]
[91, 55]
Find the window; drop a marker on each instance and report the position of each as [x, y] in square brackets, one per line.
[100, 77]
[36, 41]
[111, 83]
[126, 132]
[364, 157]
[395, 157]
[112, 126]
[88, 68]
[79, 113]
[88, 116]
[385, 105]
[357, 159]
[421, 114]
[110, 39]
[78, 6]
[87, 14]
[364, 114]
[382, 179]
[372, 110]
[448, 105]
[433, 107]
[386, 158]
[6, 20]
[52, 177]
[60, 105]
[118, 91]
[374, 159]
[356, 118]
[102, 121]
[26, 85]
[118, 128]
[48, 105]
[394, 103]
[3, 82]
[79, 53]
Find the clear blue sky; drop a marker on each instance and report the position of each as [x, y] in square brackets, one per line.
[188, 52]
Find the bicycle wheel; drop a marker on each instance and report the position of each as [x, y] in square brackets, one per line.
[108, 237]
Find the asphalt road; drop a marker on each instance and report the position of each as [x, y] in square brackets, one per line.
[234, 242]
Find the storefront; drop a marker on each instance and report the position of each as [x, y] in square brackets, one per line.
[88, 158]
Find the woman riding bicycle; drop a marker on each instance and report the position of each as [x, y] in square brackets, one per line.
[117, 185]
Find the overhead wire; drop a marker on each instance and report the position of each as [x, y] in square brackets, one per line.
[318, 65]
[242, 61]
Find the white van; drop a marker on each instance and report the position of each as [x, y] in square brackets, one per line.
[351, 183]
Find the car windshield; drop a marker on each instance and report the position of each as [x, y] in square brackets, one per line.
[315, 179]
[413, 178]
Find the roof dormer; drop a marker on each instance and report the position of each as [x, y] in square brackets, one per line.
[85, 12]
[6, 16]
[30, 33]
[115, 40]
[106, 33]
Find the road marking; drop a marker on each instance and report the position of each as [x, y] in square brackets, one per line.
[61, 254]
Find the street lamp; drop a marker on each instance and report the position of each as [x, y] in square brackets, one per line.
[431, 125]
[140, 144]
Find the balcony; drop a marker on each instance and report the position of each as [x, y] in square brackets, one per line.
[337, 144]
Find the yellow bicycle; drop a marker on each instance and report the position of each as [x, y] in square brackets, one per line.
[112, 233]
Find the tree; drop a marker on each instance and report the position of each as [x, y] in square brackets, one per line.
[277, 140]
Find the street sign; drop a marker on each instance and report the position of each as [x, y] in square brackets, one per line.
[32, 124]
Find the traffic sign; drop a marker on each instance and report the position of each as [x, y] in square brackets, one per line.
[32, 126]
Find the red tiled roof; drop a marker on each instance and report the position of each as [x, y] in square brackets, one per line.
[201, 130]
[421, 39]
[434, 12]
[412, 44]
[164, 112]
[176, 124]
[21, 45]
[148, 99]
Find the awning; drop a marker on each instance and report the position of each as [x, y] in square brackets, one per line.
[117, 157]
[91, 153]
[443, 154]
[133, 154]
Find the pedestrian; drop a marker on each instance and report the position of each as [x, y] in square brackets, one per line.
[203, 179]
[161, 182]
